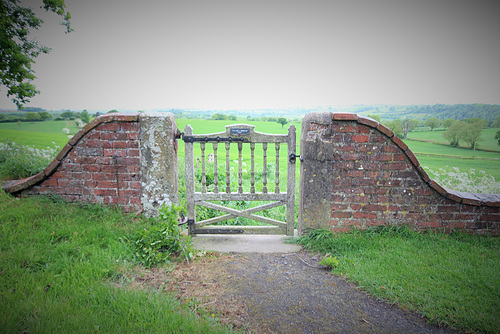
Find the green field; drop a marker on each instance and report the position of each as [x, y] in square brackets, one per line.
[435, 153]
[37, 134]
[488, 141]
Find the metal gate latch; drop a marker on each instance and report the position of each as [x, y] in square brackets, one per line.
[292, 157]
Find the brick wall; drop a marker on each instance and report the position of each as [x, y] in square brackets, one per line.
[356, 172]
[102, 164]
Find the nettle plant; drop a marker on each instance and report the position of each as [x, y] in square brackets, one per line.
[471, 181]
[161, 242]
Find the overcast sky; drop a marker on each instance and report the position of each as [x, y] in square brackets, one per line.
[142, 55]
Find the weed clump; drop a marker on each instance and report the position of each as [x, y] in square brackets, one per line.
[162, 240]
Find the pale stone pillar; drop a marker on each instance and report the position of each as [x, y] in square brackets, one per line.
[158, 167]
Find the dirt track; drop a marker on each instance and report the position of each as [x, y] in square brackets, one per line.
[284, 293]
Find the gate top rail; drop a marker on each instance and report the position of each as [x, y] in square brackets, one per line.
[237, 132]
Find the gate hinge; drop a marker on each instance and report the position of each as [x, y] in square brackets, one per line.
[293, 156]
[178, 134]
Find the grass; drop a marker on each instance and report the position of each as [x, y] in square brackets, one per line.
[64, 268]
[450, 279]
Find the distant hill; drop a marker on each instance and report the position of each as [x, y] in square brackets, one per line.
[442, 111]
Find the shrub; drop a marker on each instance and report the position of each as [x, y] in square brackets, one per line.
[329, 262]
[163, 240]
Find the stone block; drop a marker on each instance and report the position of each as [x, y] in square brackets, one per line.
[158, 161]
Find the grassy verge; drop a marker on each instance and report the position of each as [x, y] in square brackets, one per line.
[450, 279]
[63, 268]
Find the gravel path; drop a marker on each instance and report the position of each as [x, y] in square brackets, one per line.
[290, 294]
[282, 293]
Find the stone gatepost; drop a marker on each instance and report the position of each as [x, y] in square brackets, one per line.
[158, 161]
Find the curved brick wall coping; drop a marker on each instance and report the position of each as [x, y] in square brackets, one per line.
[459, 197]
[19, 185]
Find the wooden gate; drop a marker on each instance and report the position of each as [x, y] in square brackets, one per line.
[239, 135]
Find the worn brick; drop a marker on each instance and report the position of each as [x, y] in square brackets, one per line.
[129, 127]
[374, 207]
[127, 118]
[112, 126]
[91, 168]
[369, 122]
[104, 161]
[360, 138]
[104, 192]
[344, 117]
[50, 182]
[112, 136]
[382, 157]
[115, 153]
[106, 184]
[132, 135]
[399, 143]
[92, 124]
[65, 150]
[103, 176]
[85, 160]
[385, 130]
[364, 215]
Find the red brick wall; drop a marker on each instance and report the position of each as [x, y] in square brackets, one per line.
[365, 176]
[100, 164]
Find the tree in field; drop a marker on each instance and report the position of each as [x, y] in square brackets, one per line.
[44, 115]
[68, 115]
[396, 127]
[32, 116]
[453, 133]
[496, 122]
[219, 116]
[497, 136]
[18, 51]
[433, 123]
[471, 133]
[407, 125]
[447, 123]
[84, 116]
[282, 121]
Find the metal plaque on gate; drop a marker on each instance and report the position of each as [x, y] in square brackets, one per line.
[240, 131]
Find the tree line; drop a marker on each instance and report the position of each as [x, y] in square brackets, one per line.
[40, 116]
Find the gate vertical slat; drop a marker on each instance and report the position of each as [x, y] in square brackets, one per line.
[203, 174]
[216, 174]
[277, 171]
[240, 171]
[189, 163]
[252, 167]
[264, 172]
[290, 192]
[228, 168]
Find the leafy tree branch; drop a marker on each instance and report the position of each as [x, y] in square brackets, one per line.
[17, 51]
